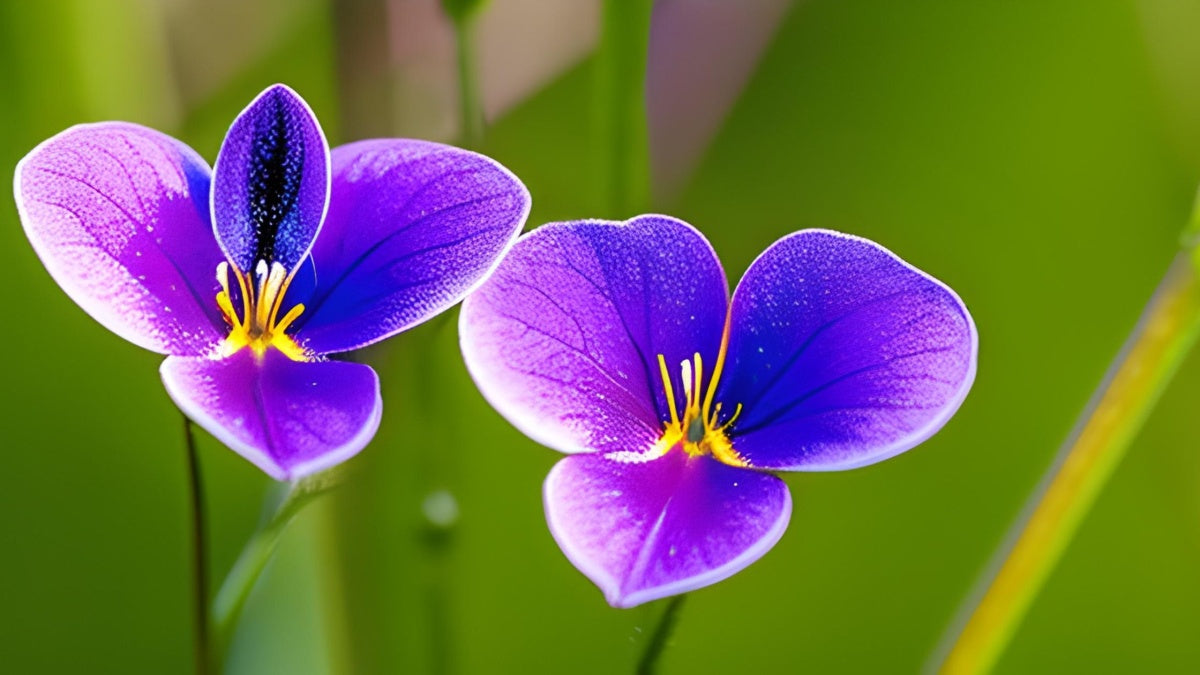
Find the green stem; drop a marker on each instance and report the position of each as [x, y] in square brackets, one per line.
[621, 101]
[199, 553]
[648, 664]
[1150, 358]
[235, 590]
[469, 103]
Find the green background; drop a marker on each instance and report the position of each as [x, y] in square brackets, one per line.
[1039, 157]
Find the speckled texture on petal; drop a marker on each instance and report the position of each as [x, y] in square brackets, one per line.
[118, 213]
[563, 339]
[413, 226]
[271, 182]
[842, 354]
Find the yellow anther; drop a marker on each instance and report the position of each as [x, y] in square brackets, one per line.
[259, 327]
[699, 431]
[294, 313]
[670, 391]
[729, 422]
[712, 385]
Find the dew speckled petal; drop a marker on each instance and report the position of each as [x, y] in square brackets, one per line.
[412, 227]
[271, 182]
[563, 339]
[290, 418]
[118, 213]
[643, 530]
[842, 354]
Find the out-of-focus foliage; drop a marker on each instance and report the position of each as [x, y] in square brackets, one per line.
[1028, 154]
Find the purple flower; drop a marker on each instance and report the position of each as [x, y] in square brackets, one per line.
[618, 343]
[249, 275]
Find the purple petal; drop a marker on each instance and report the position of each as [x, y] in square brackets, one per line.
[412, 228]
[563, 339]
[842, 354]
[118, 214]
[271, 182]
[646, 529]
[290, 418]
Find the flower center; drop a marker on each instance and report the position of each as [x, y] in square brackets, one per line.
[699, 429]
[259, 326]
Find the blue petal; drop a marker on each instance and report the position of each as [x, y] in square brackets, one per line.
[412, 227]
[271, 182]
[842, 354]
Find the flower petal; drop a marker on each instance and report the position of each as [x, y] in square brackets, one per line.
[643, 530]
[290, 418]
[271, 182]
[412, 228]
[842, 354]
[118, 214]
[563, 339]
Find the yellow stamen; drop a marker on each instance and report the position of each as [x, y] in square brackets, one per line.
[712, 385]
[279, 297]
[292, 315]
[244, 287]
[259, 327]
[699, 431]
[670, 391]
[729, 422]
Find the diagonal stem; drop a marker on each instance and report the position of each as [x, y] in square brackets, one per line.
[648, 664]
[235, 589]
[1152, 354]
[199, 554]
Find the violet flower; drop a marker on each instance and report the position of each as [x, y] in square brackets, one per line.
[249, 275]
[618, 342]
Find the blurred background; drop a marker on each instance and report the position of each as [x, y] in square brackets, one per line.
[1039, 157]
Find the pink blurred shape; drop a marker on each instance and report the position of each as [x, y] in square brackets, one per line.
[702, 52]
[521, 45]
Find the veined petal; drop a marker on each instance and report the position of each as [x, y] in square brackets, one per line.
[842, 354]
[563, 339]
[642, 530]
[413, 226]
[118, 214]
[271, 182]
[290, 418]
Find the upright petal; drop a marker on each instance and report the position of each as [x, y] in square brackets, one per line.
[290, 418]
[563, 339]
[118, 214]
[271, 182]
[642, 530]
[412, 228]
[842, 354]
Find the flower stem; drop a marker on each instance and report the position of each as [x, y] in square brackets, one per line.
[1150, 357]
[469, 104]
[199, 554]
[621, 102]
[648, 664]
[236, 588]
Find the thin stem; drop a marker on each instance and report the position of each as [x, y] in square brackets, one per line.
[621, 102]
[469, 104]
[648, 664]
[236, 588]
[1166, 331]
[199, 553]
